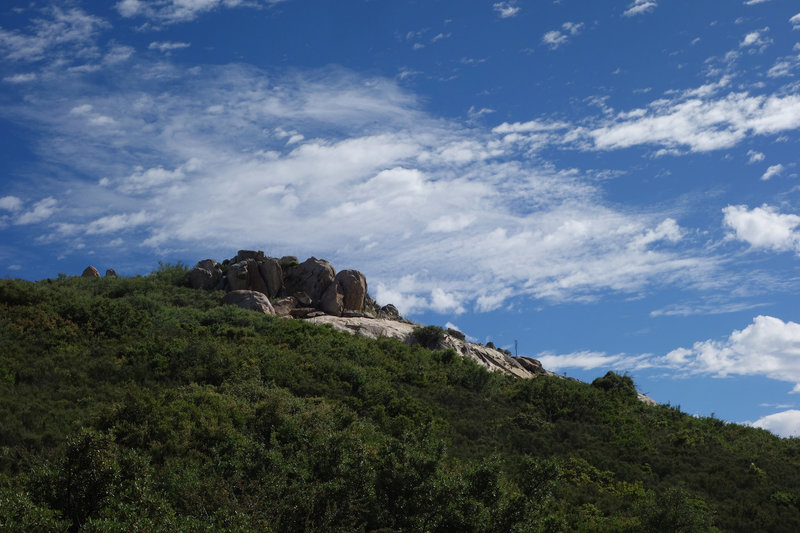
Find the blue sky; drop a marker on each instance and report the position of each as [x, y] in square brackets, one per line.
[614, 185]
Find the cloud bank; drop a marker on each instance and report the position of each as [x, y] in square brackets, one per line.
[330, 163]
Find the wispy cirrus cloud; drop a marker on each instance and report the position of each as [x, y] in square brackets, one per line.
[56, 32]
[697, 120]
[175, 11]
[506, 9]
[329, 162]
[167, 46]
[556, 38]
[639, 7]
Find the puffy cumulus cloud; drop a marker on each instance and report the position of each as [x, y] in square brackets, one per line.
[506, 9]
[754, 157]
[173, 11]
[783, 424]
[57, 31]
[768, 347]
[639, 7]
[333, 164]
[763, 227]
[795, 21]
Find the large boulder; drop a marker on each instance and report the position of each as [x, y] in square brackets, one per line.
[313, 277]
[206, 275]
[245, 276]
[284, 306]
[244, 255]
[250, 300]
[272, 274]
[90, 272]
[346, 294]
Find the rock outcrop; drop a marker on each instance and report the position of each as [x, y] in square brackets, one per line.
[250, 300]
[206, 275]
[489, 358]
[90, 272]
[313, 291]
[313, 277]
[346, 294]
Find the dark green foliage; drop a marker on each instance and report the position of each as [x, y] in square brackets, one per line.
[613, 382]
[428, 336]
[137, 404]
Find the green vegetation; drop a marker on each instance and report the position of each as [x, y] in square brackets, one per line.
[137, 404]
[428, 336]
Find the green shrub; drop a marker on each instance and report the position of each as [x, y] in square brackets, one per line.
[428, 336]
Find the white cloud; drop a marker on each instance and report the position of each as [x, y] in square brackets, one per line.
[699, 119]
[756, 39]
[754, 157]
[639, 7]
[784, 424]
[506, 9]
[173, 11]
[71, 30]
[42, 210]
[700, 123]
[754, 2]
[10, 203]
[21, 78]
[772, 171]
[114, 223]
[587, 360]
[763, 227]
[371, 178]
[167, 46]
[795, 20]
[554, 39]
[768, 347]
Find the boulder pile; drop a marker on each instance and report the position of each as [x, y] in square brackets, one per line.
[300, 290]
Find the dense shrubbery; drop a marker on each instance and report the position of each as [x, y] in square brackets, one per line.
[138, 404]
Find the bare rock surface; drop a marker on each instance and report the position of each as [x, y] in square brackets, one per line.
[90, 272]
[346, 294]
[206, 275]
[373, 328]
[313, 277]
[250, 300]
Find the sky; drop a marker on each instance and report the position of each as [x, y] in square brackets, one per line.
[598, 185]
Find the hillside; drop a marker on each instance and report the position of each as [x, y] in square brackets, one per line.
[143, 404]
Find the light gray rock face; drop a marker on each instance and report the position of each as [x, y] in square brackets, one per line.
[272, 274]
[374, 328]
[250, 300]
[346, 294]
[313, 277]
[206, 275]
[90, 272]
